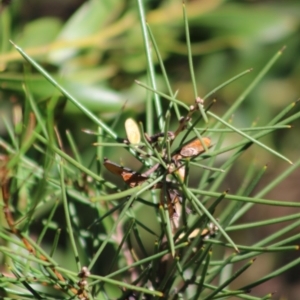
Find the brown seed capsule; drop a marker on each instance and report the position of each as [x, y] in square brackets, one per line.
[195, 147]
[131, 177]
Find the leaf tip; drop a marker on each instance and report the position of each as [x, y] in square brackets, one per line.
[13, 43]
[282, 49]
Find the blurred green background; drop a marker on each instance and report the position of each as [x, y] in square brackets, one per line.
[95, 50]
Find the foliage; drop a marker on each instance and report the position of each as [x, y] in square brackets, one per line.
[71, 229]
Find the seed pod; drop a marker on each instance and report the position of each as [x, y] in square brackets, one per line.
[132, 131]
[170, 199]
[131, 177]
[195, 147]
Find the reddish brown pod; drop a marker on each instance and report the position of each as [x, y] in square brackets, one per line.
[194, 148]
[129, 176]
